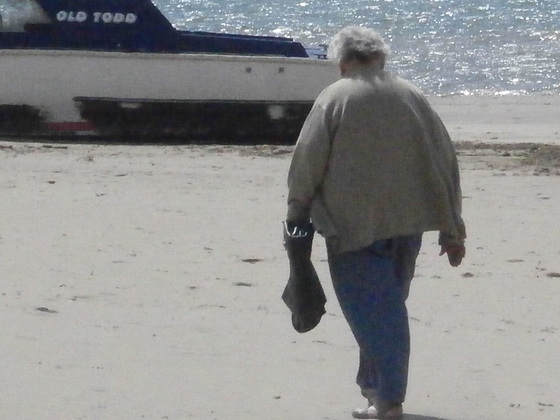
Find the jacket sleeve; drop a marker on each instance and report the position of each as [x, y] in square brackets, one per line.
[309, 163]
[457, 234]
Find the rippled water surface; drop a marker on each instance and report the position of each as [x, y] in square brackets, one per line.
[445, 47]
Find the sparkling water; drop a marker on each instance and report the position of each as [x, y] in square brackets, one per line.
[446, 47]
[443, 46]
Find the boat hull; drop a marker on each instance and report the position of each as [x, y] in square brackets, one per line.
[158, 96]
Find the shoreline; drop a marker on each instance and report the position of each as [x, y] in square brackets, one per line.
[499, 119]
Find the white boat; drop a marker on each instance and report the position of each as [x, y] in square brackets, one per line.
[119, 69]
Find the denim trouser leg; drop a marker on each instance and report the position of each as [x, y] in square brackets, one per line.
[372, 285]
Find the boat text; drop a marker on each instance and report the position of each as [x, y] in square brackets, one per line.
[96, 17]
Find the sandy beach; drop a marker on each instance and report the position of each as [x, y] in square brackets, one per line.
[144, 282]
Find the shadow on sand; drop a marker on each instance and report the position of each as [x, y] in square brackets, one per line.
[414, 417]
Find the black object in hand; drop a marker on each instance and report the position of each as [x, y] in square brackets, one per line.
[303, 294]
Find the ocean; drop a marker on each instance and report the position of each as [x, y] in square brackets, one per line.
[446, 47]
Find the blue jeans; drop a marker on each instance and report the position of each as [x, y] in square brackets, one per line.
[372, 285]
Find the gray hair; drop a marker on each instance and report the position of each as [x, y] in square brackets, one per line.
[357, 43]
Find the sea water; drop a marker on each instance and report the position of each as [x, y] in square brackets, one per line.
[446, 47]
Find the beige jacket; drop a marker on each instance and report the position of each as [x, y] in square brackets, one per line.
[374, 161]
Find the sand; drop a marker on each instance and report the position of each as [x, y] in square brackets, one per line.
[144, 282]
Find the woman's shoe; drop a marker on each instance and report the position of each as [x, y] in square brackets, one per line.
[381, 412]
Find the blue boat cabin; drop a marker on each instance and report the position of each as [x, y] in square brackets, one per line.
[120, 25]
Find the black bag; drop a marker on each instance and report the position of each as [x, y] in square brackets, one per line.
[303, 294]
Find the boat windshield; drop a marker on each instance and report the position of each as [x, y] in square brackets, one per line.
[15, 14]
